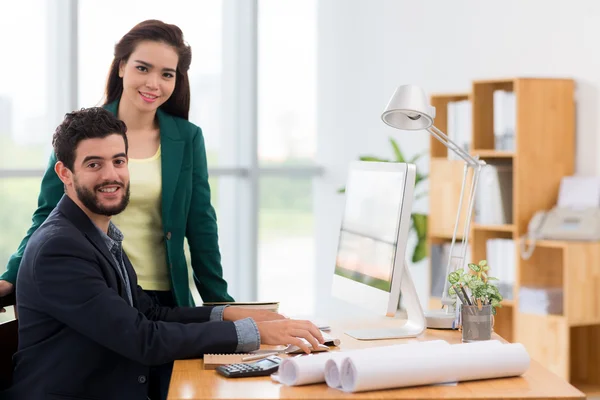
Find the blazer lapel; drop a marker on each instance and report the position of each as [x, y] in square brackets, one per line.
[172, 147]
[87, 227]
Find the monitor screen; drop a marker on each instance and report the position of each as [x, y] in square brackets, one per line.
[369, 231]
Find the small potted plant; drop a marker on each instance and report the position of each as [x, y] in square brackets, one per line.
[480, 298]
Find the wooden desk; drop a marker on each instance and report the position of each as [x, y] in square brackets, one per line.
[191, 381]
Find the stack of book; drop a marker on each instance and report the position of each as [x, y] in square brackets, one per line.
[459, 126]
[505, 118]
[501, 257]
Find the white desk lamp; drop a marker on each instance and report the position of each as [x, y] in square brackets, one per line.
[409, 109]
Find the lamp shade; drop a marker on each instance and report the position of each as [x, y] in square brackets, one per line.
[409, 109]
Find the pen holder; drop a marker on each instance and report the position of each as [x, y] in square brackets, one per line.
[476, 324]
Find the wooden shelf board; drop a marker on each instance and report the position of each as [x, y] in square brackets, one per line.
[490, 153]
[548, 317]
[495, 228]
[451, 96]
[488, 81]
[588, 389]
[443, 238]
[550, 244]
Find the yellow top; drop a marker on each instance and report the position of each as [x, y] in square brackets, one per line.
[141, 224]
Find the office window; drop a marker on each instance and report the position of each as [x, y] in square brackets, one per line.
[103, 23]
[18, 201]
[25, 130]
[286, 151]
[286, 82]
[286, 256]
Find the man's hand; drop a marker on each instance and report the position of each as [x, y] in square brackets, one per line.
[289, 331]
[6, 288]
[236, 313]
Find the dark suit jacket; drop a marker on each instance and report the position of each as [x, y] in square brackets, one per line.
[78, 336]
[186, 211]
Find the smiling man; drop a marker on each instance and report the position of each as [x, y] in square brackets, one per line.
[86, 329]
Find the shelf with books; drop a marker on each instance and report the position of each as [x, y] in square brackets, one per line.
[538, 111]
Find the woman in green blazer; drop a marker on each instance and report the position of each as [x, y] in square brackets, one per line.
[148, 89]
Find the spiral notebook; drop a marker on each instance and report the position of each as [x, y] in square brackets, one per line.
[212, 361]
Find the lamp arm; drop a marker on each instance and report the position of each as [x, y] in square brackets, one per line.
[458, 261]
[446, 141]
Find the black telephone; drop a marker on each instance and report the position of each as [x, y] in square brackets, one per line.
[264, 367]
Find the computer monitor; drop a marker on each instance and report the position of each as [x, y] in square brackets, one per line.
[370, 269]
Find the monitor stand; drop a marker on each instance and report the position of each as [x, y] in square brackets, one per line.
[415, 319]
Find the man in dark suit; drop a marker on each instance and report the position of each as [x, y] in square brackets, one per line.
[86, 329]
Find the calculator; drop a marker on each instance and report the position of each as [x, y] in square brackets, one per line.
[264, 367]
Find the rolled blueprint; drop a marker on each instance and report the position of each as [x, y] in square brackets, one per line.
[310, 369]
[455, 363]
[333, 365]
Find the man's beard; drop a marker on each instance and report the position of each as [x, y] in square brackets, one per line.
[88, 198]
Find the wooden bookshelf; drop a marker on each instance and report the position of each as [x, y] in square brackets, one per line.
[543, 155]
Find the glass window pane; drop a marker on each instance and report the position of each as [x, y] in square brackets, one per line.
[286, 249]
[287, 50]
[18, 201]
[223, 200]
[201, 24]
[25, 129]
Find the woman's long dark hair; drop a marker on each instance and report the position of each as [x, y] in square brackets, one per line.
[157, 31]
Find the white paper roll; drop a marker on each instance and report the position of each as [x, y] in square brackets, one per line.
[468, 361]
[310, 369]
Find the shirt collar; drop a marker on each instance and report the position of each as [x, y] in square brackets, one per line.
[114, 236]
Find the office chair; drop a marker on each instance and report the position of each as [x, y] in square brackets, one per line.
[8, 344]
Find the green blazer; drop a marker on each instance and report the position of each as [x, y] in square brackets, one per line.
[186, 211]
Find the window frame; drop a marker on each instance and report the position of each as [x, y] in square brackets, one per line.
[240, 200]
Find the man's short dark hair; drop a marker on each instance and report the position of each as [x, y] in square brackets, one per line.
[87, 123]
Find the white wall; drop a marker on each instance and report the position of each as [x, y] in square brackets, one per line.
[368, 47]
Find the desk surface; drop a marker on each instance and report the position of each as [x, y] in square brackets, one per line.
[191, 381]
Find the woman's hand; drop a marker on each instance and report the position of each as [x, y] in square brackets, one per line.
[6, 288]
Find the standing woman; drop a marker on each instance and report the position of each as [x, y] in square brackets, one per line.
[148, 89]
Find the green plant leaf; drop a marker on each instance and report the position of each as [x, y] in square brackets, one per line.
[372, 158]
[453, 277]
[420, 224]
[420, 251]
[420, 178]
[416, 157]
[482, 263]
[475, 267]
[492, 278]
[397, 152]
[486, 268]
[484, 275]
[342, 190]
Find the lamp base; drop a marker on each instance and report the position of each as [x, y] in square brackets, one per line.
[440, 319]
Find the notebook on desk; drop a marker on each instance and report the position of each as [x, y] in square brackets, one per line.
[212, 361]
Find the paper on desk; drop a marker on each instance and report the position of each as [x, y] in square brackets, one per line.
[310, 369]
[456, 363]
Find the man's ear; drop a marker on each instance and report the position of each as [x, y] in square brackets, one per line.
[64, 173]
